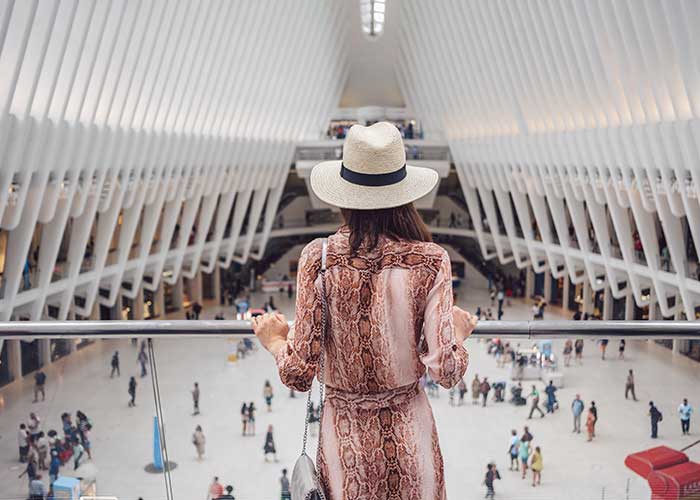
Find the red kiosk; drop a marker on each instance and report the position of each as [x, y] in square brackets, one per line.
[670, 473]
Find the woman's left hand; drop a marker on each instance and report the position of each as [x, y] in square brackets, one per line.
[272, 331]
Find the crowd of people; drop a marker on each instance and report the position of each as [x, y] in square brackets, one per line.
[49, 451]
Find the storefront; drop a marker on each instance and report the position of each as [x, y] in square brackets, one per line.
[31, 357]
[5, 374]
[60, 348]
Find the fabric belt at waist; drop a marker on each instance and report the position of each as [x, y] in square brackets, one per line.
[373, 401]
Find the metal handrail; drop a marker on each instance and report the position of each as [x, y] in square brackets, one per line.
[523, 330]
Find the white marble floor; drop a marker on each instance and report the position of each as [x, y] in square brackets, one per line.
[470, 436]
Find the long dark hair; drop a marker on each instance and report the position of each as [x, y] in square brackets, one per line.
[398, 223]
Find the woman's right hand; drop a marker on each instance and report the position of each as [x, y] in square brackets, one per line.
[464, 322]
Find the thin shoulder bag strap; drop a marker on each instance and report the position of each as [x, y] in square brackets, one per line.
[321, 360]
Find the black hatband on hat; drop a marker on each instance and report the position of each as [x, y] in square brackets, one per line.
[362, 179]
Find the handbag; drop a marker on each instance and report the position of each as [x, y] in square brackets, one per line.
[306, 483]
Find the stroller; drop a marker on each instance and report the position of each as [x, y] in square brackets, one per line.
[499, 389]
[517, 398]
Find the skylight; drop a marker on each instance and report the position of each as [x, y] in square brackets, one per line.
[372, 13]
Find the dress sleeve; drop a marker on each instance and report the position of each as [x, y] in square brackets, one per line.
[297, 362]
[445, 359]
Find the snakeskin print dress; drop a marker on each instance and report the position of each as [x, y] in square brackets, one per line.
[390, 319]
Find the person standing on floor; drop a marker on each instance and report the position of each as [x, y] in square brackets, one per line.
[524, 453]
[269, 447]
[603, 348]
[199, 441]
[37, 489]
[54, 466]
[535, 395]
[484, 388]
[142, 360]
[39, 383]
[513, 450]
[195, 399]
[378, 300]
[216, 489]
[551, 390]
[656, 417]
[491, 475]
[594, 411]
[196, 309]
[629, 386]
[568, 349]
[115, 365]
[685, 410]
[536, 465]
[577, 406]
[462, 388]
[285, 494]
[23, 442]
[132, 392]
[476, 389]
[42, 450]
[590, 424]
[267, 394]
[244, 418]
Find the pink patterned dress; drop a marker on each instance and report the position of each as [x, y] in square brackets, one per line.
[390, 319]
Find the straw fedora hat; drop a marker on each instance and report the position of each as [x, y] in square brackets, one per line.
[373, 173]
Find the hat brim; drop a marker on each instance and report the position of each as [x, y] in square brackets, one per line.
[331, 188]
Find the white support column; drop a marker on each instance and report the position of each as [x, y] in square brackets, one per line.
[652, 305]
[587, 297]
[196, 287]
[529, 282]
[678, 344]
[159, 298]
[566, 293]
[217, 283]
[45, 352]
[71, 343]
[608, 304]
[547, 286]
[178, 293]
[629, 304]
[14, 358]
[138, 305]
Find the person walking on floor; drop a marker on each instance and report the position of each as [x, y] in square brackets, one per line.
[621, 349]
[577, 406]
[484, 388]
[199, 441]
[551, 390]
[269, 447]
[244, 418]
[285, 493]
[578, 351]
[39, 383]
[476, 389]
[685, 410]
[267, 394]
[132, 392]
[491, 475]
[115, 365]
[251, 418]
[603, 348]
[513, 448]
[629, 386]
[655, 417]
[536, 465]
[142, 360]
[195, 399]
[535, 395]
